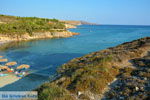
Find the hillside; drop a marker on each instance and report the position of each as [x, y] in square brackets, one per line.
[14, 28]
[21, 25]
[91, 76]
[88, 23]
[71, 22]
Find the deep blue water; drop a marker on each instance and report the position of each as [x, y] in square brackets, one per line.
[45, 56]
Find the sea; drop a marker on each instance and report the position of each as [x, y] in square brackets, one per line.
[47, 55]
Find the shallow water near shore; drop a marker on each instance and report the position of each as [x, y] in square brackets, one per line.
[45, 56]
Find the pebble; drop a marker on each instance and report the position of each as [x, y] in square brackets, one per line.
[79, 93]
[136, 88]
[145, 78]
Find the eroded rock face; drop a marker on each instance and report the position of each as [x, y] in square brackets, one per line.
[37, 35]
[70, 26]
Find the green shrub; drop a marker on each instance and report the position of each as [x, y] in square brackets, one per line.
[22, 25]
[53, 92]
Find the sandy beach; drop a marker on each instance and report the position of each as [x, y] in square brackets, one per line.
[5, 80]
[10, 78]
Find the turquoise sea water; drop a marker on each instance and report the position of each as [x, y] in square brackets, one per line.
[45, 56]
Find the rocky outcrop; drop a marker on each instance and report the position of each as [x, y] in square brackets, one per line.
[36, 35]
[70, 26]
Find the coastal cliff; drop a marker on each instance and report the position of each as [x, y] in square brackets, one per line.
[93, 76]
[37, 35]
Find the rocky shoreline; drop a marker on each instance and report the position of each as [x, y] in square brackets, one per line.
[38, 35]
[92, 76]
[15, 28]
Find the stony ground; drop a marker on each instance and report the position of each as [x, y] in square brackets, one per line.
[133, 82]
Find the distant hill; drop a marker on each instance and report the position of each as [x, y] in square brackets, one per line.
[71, 22]
[88, 23]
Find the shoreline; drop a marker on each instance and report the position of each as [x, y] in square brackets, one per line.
[37, 36]
[4, 42]
[6, 80]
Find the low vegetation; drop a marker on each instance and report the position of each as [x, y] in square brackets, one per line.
[53, 92]
[87, 77]
[11, 25]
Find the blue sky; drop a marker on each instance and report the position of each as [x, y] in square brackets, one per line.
[124, 12]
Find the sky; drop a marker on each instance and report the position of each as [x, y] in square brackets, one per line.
[118, 12]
